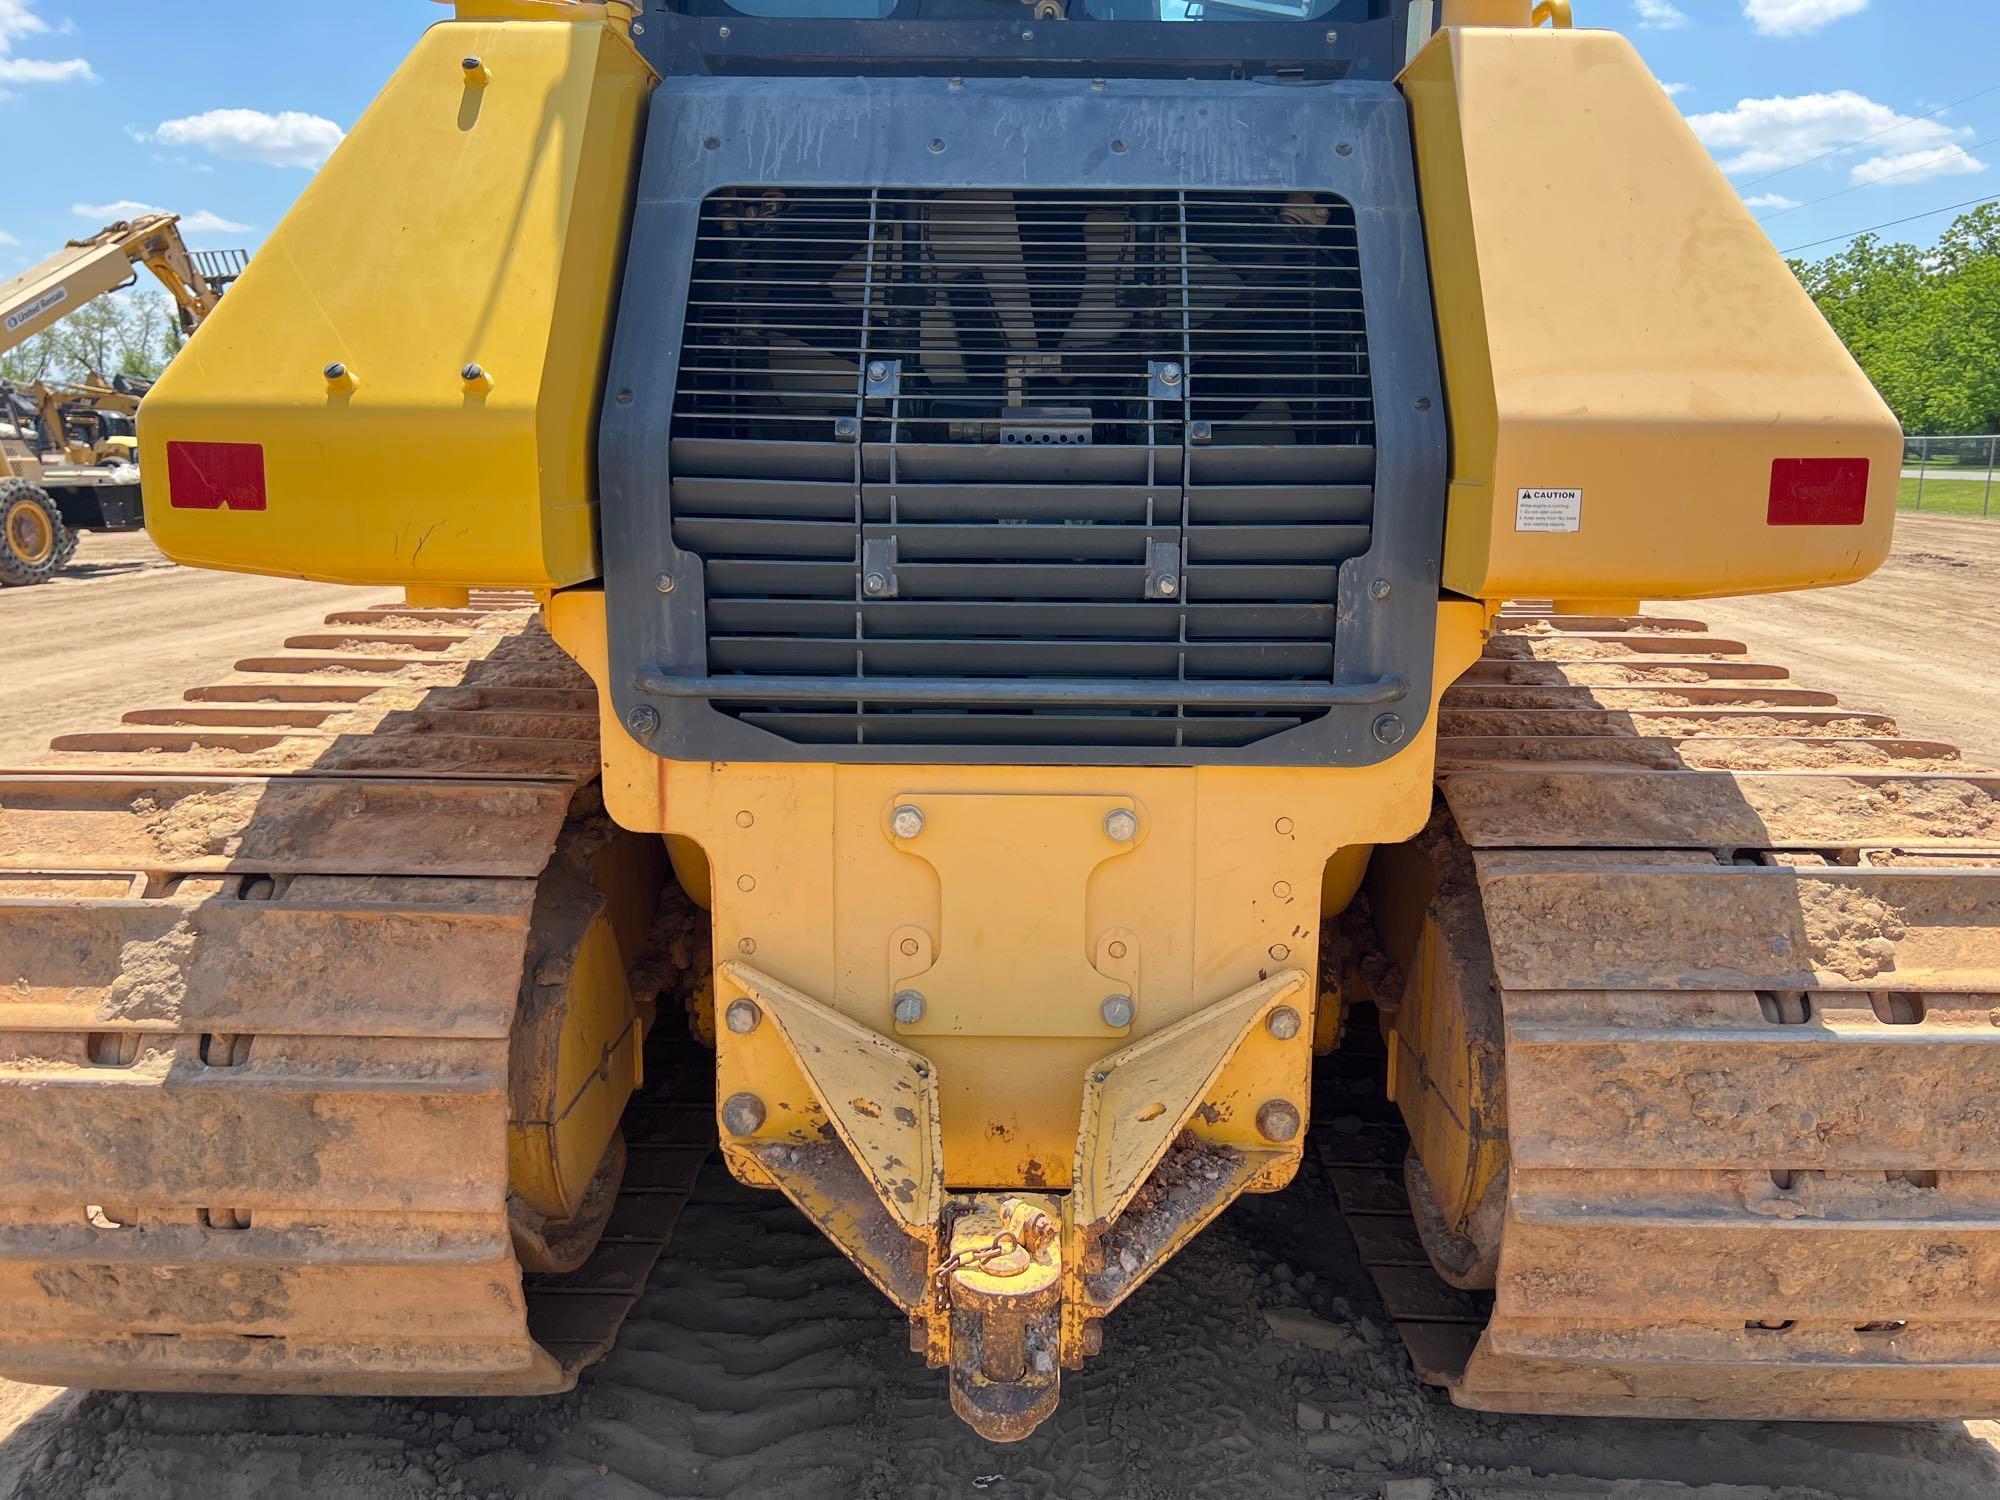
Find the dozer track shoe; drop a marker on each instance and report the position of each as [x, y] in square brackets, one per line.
[266, 954]
[1748, 969]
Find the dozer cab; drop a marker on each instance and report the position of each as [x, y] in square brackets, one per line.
[68, 452]
[1034, 568]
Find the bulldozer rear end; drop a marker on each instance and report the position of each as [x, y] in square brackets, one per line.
[1027, 542]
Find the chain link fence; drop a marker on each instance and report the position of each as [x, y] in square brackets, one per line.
[1957, 476]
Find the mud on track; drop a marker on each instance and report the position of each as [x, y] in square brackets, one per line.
[760, 1364]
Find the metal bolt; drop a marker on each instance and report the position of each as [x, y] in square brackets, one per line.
[1118, 149]
[908, 1008]
[1283, 825]
[336, 371]
[1116, 1011]
[937, 145]
[743, 1016]
[664, 583]
[874, 583]
[908, 821]
[643, 720]
[1279, 953]
[746, 883]
[746, 945]
[1282, 890]
[910, 947]
[1379, 589]
[1277, 1120]
[743, 1114]
[638, 28]
[1283, 1022]
[1422, 403]
[1121, 825]
[1343, 149]
[472, 372]
[1170, 374]
[723, 32]
[1117, 949]
[1389, 729]
[1331, 36]
[846, 427]
[1168, 586]
[878, 371]
[1027, 36]
[745, 818]
[471, 64]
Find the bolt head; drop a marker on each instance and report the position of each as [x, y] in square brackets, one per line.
[1283, 1023]
[723, 32]
[910, 947]
[643, 720]
[336, 371]
[874, 583]
[743, 1114]
[664, 583]
[1379, 589]
[1121, 825]
[471, 64]
[908, 1007]
[473, 372]
[1278, 1120]
[908, 821]
[1168, 586]
[1389, 729]
[1117, 1011]
[1170, 374]
[878, 371]
[743, 1016]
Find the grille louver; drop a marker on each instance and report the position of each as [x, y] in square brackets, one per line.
[1023, 435]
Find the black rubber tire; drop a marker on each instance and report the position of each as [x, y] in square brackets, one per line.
[17, 568]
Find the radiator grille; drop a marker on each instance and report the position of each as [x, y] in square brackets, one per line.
[1023, 435]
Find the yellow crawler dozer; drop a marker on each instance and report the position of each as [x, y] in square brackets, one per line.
[988, 584]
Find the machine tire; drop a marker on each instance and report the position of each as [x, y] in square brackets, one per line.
[34, 542]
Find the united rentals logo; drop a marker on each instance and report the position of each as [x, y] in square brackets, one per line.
[36, 308]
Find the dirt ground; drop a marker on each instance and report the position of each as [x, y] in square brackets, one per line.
[759, 1363]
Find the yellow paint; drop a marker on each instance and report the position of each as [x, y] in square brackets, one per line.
[1665, 365]
[456, 225]
[810, 885]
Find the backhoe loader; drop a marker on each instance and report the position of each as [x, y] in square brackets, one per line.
[52, 484]
[1033, 570]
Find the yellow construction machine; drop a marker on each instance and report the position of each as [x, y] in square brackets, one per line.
[1035, 575]
[55, 481]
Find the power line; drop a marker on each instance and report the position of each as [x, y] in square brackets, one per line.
[1852, 233]
[1885, 130]
[1877, 182]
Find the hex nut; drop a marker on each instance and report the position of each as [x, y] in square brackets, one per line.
[909, 1007]
[1121, 825]
[907, 820]
[1278, 1120]
[1284, 1023]
[743, 1114]
[743, 1016]
[1117, 1011]
[643, 720]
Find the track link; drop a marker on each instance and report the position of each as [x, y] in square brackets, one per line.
[1747, 947]
[265, 949]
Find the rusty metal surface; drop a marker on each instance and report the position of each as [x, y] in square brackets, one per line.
[262, 953]
[1751, 989]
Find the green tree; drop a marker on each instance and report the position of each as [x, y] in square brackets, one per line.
[1924, 324]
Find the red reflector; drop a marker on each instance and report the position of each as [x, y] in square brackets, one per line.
[1819, 491]
[209, 476]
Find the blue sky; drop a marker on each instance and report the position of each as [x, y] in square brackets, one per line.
[219, 110]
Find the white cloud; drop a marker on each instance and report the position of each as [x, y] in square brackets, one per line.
[290, 138]
[1674, 90]
[1919, 166]
[202, 221]
[1776, 202]
[1797, 17]
[7, 239]
[18, 20]
[1660, 15]
[1765, 135]
[108, 213]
